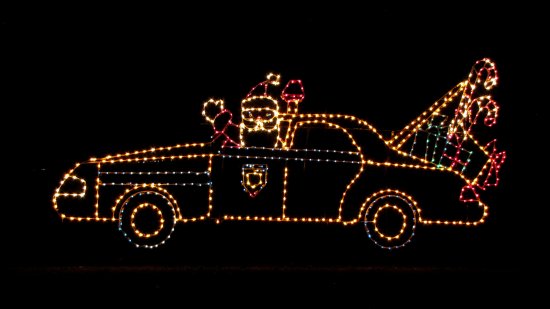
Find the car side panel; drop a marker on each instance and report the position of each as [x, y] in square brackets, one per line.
[315, 189]
[230, 197]
[186, 180]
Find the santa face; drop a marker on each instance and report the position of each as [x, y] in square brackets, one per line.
[260, 121]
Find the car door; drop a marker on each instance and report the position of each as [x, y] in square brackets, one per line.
[317, 182]
[248, 183]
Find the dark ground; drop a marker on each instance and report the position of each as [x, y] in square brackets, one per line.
[86, 82]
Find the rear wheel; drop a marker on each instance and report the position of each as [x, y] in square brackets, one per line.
[390, 221]
[147, 219]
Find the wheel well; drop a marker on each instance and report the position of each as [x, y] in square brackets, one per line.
[144, 188]
[380, 193]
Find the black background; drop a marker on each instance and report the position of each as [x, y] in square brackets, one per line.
[90, 81]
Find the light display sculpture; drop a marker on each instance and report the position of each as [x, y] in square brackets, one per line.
[280, 165]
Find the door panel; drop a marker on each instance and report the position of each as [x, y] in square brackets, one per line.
[264, 178]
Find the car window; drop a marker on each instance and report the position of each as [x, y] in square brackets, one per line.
[320, 136]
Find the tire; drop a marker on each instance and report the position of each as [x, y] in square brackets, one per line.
[390, 221]
[147, 219]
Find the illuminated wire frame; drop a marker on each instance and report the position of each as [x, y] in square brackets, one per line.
[222, 123]
[254, 178]
[260, 120]
[142, 190]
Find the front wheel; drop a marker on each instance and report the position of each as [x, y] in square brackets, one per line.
[147, 219]
[390, 221]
